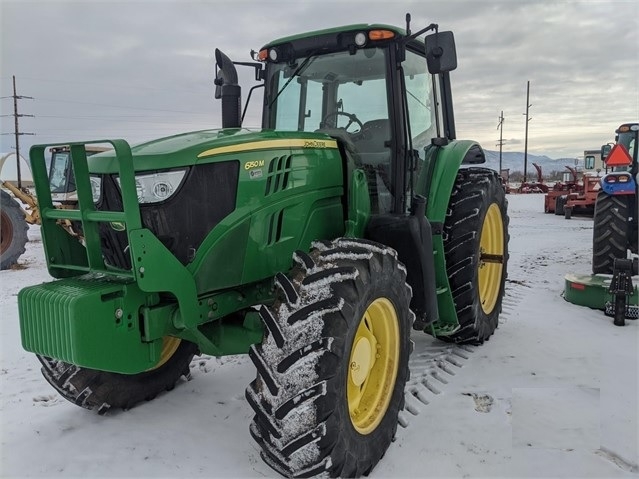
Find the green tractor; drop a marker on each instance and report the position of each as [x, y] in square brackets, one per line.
[315, 244]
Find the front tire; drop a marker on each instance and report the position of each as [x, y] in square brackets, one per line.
[102, 390]
[13, 231]
[560, 203]
[333, 364]
[476, 252]
[610, 231]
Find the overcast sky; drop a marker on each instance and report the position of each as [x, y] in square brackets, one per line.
[142, 70]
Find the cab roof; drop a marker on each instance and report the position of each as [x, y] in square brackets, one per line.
[336, 30]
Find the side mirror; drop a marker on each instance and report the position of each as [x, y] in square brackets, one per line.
[605, 151]
[441, 55]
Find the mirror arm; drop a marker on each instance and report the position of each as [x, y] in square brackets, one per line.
[412, 36]
[258, 68]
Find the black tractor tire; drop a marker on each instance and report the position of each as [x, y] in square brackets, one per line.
[560, 203]
[102, 390]
[476, 237]
[324, 403]
[13, 231]
[567, 212]
[610, 231]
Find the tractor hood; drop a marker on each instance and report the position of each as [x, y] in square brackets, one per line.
[203, 147]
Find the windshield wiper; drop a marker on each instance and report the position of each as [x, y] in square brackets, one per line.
[302, 66]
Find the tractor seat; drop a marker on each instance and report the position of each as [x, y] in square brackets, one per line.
[371, 142]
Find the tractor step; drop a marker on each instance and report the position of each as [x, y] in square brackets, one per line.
[592, 291]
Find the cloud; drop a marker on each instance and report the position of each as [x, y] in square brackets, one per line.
[141, 70]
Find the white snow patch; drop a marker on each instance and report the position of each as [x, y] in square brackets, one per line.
[542, 342]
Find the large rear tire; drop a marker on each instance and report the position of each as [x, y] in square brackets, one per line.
[333, 364]
[13, 231]
[101, 390]
[610, 231]
[476, 252]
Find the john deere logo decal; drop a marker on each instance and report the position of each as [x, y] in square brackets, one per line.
[314, 144]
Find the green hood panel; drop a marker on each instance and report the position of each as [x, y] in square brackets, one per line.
[204, 146]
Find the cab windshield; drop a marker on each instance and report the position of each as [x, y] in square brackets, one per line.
[336, 90]
[345, 95]
[61, 177]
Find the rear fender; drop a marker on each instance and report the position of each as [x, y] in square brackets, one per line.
[447, 161]
[611, 186]
[436, 182]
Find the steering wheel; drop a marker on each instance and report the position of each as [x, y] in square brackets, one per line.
[351, 119]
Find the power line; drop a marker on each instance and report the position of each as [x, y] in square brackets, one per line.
[121, 106]
[17, 133]
[126, 86]
[528, 105]
[156, 120]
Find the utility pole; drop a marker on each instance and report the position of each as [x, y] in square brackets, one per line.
[500, 125]
[17, 133]
[528, 105]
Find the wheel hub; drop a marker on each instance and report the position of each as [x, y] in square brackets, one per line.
[491, 258]
[361, 361]
[6, 232]
[373, 366]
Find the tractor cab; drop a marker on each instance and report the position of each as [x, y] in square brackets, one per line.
[621, 161]
[368, 87]
[627, 137]
[624, 149]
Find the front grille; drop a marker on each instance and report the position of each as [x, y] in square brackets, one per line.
[207, 195]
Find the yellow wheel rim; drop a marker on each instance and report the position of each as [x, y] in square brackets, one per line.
[373, 365]
[169, 346]
[491, 258]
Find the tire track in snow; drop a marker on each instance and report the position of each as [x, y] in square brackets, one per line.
[514, 293]
[431, 370]
[617, 460]
[434, 366]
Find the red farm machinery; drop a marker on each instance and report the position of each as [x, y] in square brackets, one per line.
[573, 195]
[534, 186]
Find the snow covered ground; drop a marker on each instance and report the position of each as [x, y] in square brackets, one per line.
[553, 394]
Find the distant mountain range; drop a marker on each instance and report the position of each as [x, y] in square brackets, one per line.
[515, 162]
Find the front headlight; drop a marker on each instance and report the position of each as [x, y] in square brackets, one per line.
[158, 186]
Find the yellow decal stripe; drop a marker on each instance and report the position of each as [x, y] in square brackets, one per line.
[266, 144]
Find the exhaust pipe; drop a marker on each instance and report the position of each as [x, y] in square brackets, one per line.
[227, 89]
